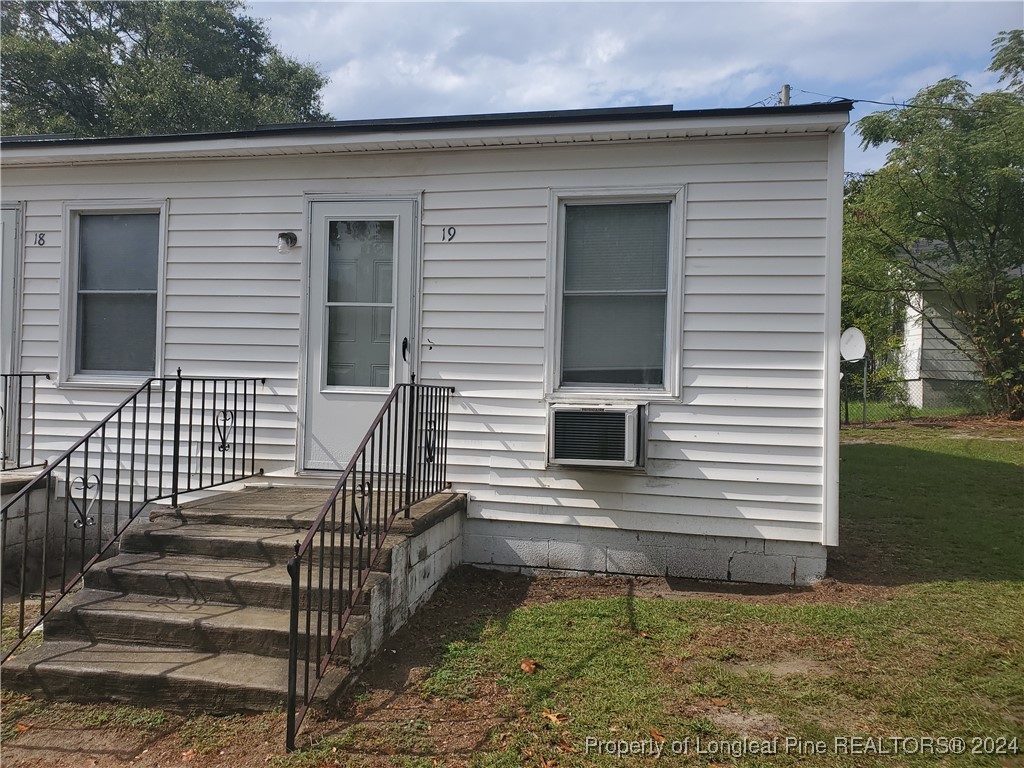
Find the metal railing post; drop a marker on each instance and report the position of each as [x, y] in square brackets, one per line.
[410, 449]
[176, 448]
[293, 649]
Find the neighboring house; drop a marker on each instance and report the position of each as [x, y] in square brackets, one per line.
[669, 279]
[937, 373]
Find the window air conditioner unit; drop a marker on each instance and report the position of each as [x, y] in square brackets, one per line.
[594, 436]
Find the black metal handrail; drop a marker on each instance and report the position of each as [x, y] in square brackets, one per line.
[172, 435]
[401, 461]
[18, 417]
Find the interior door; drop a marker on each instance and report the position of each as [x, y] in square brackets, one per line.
[359, 342]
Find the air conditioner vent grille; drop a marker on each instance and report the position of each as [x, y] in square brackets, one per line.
[590, 435]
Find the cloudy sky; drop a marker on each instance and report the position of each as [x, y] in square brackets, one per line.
[389, 59]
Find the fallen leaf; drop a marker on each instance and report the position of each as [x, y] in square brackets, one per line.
[565, 745]
[555, 717]
[188, 755]
[720, 702]
[529, 666]
[656, 735]
[22, 727]
[545, 763]
[677, 669]
[645, 635]
[748, 700]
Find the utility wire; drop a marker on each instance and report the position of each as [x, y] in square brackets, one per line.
[774, 99]
[899, 104]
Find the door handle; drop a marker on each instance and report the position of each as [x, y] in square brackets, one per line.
[405, 349]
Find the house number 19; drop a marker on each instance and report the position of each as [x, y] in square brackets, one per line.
[447, 234]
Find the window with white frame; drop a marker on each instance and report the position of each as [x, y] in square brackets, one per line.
[115, 294]
[615, 298]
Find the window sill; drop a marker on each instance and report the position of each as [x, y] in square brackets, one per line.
[611, 396]
[104, 382]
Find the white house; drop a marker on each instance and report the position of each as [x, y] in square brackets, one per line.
[667, 277]
[937, 373]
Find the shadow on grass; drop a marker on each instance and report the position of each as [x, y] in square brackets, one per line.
[914, 515]
[474, 697]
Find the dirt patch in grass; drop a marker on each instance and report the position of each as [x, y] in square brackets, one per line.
[786, 667]
[63, 735]
[752, 725]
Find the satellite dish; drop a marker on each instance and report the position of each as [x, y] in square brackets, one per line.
[851, 345]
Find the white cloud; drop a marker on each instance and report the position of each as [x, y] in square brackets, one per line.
[407, 59]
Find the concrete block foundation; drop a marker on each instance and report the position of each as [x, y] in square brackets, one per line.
[542, 548]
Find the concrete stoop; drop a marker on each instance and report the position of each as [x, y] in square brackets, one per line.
[192, 613]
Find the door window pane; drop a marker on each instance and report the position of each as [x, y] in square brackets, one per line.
[360, 261]
[359, 346]
[118, 257]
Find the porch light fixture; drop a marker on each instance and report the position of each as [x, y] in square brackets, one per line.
[286, 241]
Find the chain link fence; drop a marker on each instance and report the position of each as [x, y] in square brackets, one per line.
[889, 399]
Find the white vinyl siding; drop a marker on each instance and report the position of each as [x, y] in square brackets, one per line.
[740, 451]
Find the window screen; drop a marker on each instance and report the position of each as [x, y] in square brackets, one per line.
[615, 290]
[117, 293]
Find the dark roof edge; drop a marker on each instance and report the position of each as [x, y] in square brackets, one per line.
[558, 117]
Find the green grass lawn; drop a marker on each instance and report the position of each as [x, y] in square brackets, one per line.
[934, 648]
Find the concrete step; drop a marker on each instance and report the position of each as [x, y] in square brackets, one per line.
[272, 546]
[258, 507]
[174, 535]
[177, 679]
[204, 579]
[268, 507]
[192, 613]
[101, 616]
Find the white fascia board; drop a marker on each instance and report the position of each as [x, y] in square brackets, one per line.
[441, 139]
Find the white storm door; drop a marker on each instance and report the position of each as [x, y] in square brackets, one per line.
[359, 321]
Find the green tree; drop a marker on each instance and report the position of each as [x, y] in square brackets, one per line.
[946, 213]
[119, 67]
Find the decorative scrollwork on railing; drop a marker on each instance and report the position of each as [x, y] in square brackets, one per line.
[84, 485]
[225, 424]
[430, 442]
[170, 436]
[362, 507]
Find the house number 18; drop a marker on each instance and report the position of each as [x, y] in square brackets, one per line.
[447, 234]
